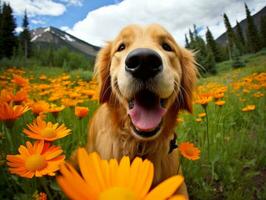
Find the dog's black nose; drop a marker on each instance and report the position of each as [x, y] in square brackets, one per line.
[143, 63]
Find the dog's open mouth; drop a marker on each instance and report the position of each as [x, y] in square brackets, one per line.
[146, 112]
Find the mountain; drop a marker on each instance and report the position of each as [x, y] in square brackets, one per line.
[222, 38]
[58, 38]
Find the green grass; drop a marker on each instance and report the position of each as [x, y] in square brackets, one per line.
[236, 161]
[232, 165]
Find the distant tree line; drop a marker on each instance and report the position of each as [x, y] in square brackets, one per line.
[19, 48]
[209, 52]
[62, 57]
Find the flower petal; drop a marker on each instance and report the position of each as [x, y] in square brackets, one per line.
[165, 189]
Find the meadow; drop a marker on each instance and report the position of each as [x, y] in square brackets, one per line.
[227, 125]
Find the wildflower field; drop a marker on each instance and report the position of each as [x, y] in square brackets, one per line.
[44, 113]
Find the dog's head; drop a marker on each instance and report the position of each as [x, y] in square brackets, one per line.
[149, 75]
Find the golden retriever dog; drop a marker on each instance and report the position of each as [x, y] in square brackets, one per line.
[145, 80]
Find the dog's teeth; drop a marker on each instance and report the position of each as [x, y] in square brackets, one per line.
[130, 104]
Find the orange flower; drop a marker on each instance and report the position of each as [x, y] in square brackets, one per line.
[246, 91]
[242, 99]
[39, 107]
[11, 113]
[189, 151]
[218, 95]
[177, 197]
[40, 196]
[20, 96]
[6, 96]
[220, 103]
[81, 111]
[258, 94]
[69, 102]
[249, 108]
[203, 99]
[202, 114]
[179, 120]
[37, 160]
[89, 93]
[41, 130]
[56, 109]
[106, 180]
[198, 120]
[42, 77]
[19, 80]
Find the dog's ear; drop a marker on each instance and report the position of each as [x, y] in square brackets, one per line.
[102, 71]
[189, 75]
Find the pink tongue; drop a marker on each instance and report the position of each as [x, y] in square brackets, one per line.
[146, 119]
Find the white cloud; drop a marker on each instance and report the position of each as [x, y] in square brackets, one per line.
[37, 21]
[19, 29]
[37, 7]
[73, 2]
[64, 28]
[177, 16]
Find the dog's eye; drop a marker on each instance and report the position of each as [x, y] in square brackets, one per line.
[166, 47]
[121, 47]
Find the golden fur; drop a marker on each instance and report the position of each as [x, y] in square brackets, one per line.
[110, 134]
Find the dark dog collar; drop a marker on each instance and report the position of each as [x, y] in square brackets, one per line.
[172, 144]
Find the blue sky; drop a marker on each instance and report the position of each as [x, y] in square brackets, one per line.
[73, 14]
[97, 21]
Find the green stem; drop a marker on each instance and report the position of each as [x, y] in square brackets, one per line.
[9, 139]
[207, 133]
[46, 189]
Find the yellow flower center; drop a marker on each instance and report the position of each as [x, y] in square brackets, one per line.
[117, 193]
[190, 152]
[35, 162]
[48, 132]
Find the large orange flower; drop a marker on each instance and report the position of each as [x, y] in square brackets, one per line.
[37, 160]
[41, 130]
[8, 96]
[189, 151]
[11, 113]
[106, 180]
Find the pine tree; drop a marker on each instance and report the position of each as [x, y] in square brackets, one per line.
[253, 39]
[213, 46]
[209, 62]
[263, 30]
[240, 34]
[25, 37]
[202, 52]
[233, 41]
[7, 34]
[229, 32]
[238, 42]
[192, 40]
[204, 56]
[186, 41]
